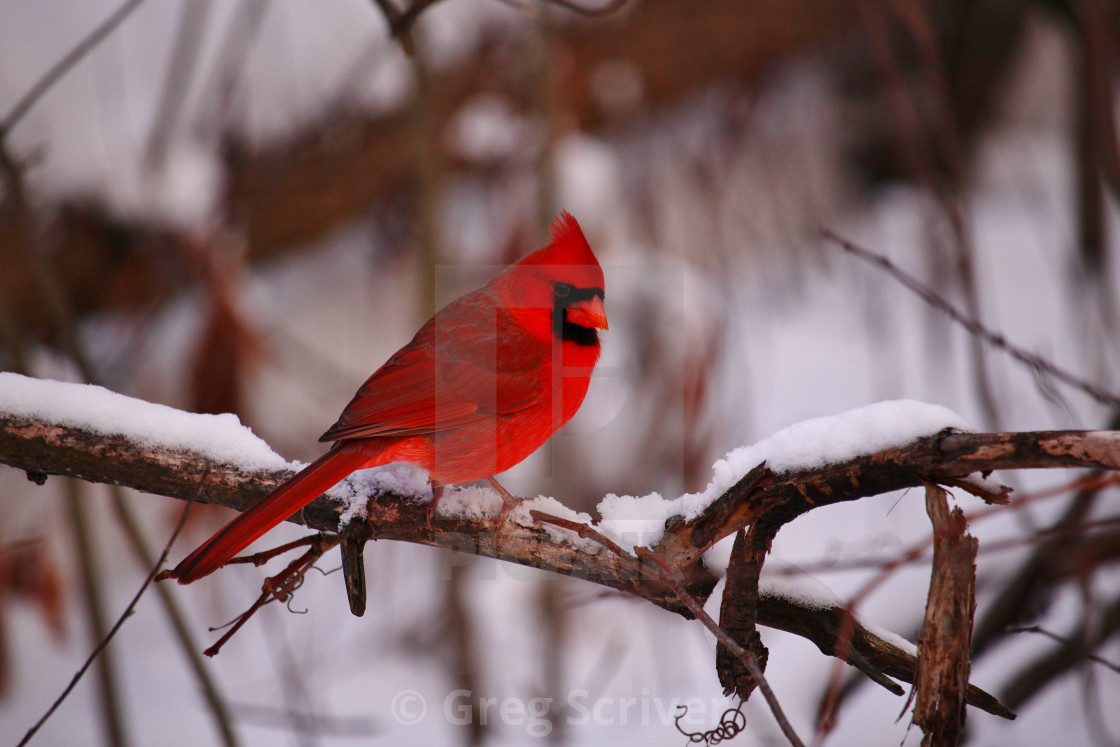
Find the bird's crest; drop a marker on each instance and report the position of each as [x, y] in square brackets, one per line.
[567, 247]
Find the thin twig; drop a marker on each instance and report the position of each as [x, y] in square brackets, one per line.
[1066, 641]
[63, 66]
[909, 557]
[746, 656]
[925, 146]
[1037, 363]
[108, 688]
[258, 559]
[237, 42]
[90, 583]
[281, 586]
[223, 720]
[124, 616]
[184, 58]
[666, 576]
[240, 620]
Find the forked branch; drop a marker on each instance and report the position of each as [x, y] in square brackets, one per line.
[763, 500]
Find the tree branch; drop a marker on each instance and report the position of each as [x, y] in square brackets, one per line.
[763, 499]
[946, 458]
[943, 654]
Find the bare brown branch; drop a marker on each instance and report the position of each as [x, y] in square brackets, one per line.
[746, 655]
[943, 654]
[876, 657]
[738, 614]
[42, 448]
[947, 458]
[763, 500]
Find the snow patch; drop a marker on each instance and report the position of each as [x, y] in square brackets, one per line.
[401, 478]
[783, 580]
[983, 484]
[812, 444]
[470, 502]
[890, 637]
[634, 520]
[520, 515]
[97, 410]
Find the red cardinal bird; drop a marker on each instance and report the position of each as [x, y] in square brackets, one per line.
[482, 385]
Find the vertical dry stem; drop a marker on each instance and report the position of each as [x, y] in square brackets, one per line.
[943, 652]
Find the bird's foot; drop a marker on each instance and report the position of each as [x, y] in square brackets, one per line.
[509, 500]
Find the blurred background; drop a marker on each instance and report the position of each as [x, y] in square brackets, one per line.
[246, 205]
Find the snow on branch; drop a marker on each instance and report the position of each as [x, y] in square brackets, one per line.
[51, 428]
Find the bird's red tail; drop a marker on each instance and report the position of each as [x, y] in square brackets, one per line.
[304, 487]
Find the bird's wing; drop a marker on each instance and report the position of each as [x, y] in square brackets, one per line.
[448, 377]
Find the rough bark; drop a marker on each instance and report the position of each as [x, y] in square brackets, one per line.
[946, 639]
[763, 500]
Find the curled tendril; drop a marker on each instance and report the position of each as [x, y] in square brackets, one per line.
[730, 725]
[292, 596]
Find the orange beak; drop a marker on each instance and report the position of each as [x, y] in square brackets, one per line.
[589, 313]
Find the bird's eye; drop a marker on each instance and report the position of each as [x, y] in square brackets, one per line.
[561, 289]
